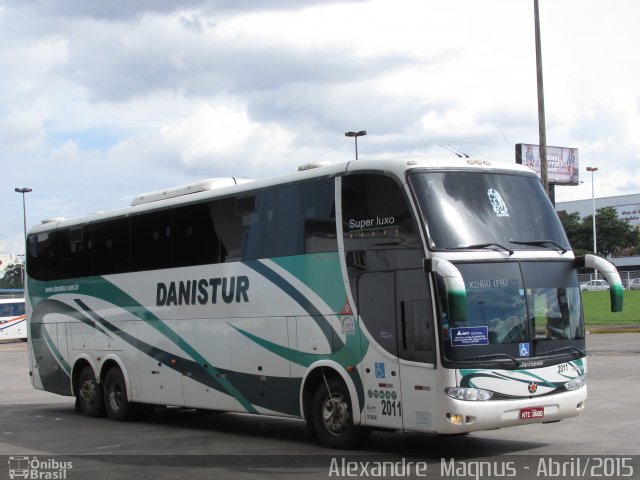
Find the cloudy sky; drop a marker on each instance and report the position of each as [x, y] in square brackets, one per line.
[103, 100]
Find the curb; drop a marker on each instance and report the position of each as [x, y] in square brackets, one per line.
[613, 329]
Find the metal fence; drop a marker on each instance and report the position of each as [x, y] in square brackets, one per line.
[625, 276]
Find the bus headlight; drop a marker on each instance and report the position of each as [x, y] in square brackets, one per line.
[578, 382]
[472, 394]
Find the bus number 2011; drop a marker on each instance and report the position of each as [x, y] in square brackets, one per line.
[391, 408]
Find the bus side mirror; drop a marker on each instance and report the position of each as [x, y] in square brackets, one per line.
[454, 284]
[616, 290]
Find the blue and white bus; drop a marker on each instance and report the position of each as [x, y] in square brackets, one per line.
[13, 318]
[422, 295]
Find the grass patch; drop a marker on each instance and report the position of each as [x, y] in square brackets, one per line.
[597, 309]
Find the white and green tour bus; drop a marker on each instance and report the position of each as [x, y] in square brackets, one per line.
[422, 295]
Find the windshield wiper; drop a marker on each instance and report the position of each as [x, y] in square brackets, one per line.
[539, 243]
[495, 355]
[483, 245]
[564, 349]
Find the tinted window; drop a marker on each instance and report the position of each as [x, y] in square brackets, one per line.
[307, 218]
[259, 227]
[42, 257]
[111, 241]
[76, 252]
[286, 220]
[228, 225]
[379, 230]
[195, 241]
[384, 261]
[376, 214]
[151, 241]
[290, 220]
[11, 309]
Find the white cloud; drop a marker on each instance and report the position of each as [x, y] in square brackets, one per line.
[218, 132]
[102, 102]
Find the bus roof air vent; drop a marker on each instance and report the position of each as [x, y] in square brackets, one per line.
[201, 186]
[52, 220]
[312, 165]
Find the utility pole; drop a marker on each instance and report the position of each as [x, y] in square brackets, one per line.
[544, 177]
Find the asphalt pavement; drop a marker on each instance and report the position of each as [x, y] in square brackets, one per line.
[177, 443]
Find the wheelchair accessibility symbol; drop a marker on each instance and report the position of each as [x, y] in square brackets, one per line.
[523, 348]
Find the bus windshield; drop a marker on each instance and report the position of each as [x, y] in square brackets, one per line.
[516, 310]
[479, 210]
[12, 309]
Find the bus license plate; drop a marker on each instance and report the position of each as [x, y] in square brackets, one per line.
[532, 413]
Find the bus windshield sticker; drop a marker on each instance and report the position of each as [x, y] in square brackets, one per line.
[386, 335]
[499, 207]
[468, 336]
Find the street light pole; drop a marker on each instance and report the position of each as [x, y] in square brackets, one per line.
[355, 135]
[24, 225]
[24, 210]
[593, 203]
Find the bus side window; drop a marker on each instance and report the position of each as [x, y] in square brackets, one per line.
[259, 225]
[228, 225]
[151, 241]
[43, 256]
[111, 242]
[289, 220]
[384, 261]
[195, 241]
[76, 252]
[376, 215]
[417, 335]
[306, 219]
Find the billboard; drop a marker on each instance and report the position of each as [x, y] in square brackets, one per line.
[629, 213]
[562, 162]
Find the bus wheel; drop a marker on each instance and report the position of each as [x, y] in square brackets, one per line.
[89, 396]
[116, 403]
[331, 416]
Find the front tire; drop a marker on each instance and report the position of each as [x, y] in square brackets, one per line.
[116, 402]
[332, 416]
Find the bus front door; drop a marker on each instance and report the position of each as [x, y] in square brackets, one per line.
[381, 374]
[399, 371]
[416, 349]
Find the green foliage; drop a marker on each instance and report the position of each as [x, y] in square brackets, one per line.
[613, 236]
[12, 277]
[580, 235]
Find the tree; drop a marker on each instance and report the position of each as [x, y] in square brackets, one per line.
[613, 236]
[12, 276]
[580, 236]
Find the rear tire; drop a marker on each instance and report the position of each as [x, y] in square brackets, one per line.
[332, 417]
[89, 396]
[116, 402]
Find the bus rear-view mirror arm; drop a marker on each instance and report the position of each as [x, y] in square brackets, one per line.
[454, 284]
[609, 272]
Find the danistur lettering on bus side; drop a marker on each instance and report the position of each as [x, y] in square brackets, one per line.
[203, 291]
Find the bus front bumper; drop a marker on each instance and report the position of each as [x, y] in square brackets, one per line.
[459, 416]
